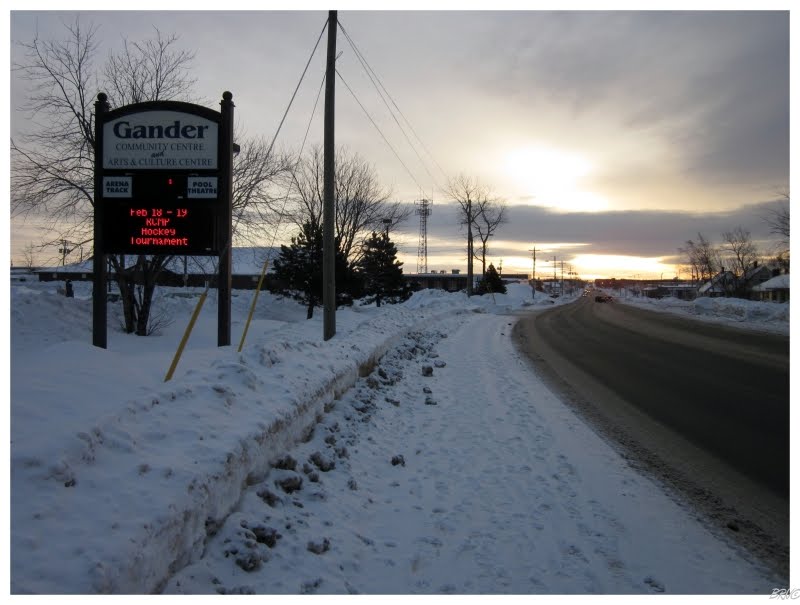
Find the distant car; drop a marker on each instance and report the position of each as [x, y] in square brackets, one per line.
[603, 298]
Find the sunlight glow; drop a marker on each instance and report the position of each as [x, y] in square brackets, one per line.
[609, 265]
[551, 178]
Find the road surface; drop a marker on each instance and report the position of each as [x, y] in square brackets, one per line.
[703, 406]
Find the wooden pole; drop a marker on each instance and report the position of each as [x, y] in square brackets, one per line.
[226, 199]
[99, 310]
[329, 203]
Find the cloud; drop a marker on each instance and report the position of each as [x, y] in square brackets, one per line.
[623, 233]
[707, 91]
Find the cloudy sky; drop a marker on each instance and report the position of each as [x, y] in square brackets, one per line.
[614, 136]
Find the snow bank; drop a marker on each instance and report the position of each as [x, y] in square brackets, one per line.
[116, 477]
[751, 314]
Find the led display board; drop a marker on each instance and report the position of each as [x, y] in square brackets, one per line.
[163, 214]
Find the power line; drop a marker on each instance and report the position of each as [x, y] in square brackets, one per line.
[297, 88]
[299, 155]
[396, 107]
[370, 73]
[291, 101]
[378, 129]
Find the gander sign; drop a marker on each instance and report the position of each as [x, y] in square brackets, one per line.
[163, 178]
[161, 140]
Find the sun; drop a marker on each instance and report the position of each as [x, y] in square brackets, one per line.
[552, 178]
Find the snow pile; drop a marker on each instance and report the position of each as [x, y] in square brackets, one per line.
[767, 316]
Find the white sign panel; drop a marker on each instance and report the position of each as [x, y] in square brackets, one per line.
[201, 187]
[160, 140]
[117, 186]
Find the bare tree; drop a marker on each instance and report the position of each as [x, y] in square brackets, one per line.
[260, 177]
[52, 166]
[468, 193]
[150, 70]
[28, 255]
[362, 203]
[741, 254]
[702, 257]
[491, 214]
[778, 221]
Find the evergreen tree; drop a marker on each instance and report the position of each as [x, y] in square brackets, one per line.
[492, 282]
[298, 271]
[298, 268]
[380, 270]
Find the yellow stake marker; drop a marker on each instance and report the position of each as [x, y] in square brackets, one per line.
[185, 338]
[253, 305]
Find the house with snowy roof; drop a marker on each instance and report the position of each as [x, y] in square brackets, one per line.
[728, 283]
[775, 289]
[722, 284]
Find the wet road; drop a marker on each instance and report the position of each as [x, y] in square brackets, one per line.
[704, 405]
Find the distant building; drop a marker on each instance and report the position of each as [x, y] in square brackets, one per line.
[727, 283]
[194, 271]
[614, 283]
[450, 282]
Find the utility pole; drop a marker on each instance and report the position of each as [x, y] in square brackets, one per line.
[469, 246]
[534, 273]
[64, 251]
[329, 210]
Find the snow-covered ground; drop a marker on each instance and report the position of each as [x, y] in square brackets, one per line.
[415, 452]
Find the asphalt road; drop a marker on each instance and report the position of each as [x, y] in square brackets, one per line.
[704, 406]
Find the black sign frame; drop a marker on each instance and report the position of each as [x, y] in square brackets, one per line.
[142, 217]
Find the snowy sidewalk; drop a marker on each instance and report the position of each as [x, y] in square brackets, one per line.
[473, 480]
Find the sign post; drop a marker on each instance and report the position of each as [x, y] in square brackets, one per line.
[163, 184]
[225, 222]
[99, 311]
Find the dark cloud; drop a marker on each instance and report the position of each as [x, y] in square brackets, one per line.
[629, 233]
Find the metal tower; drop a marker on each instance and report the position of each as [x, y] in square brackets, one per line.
[424, 209]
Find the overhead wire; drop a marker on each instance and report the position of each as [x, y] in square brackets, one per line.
[299, 155]
[289, 106]
[411, 128]
[364, 109]
[370, 73]
[324, 27]
[283, 206]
